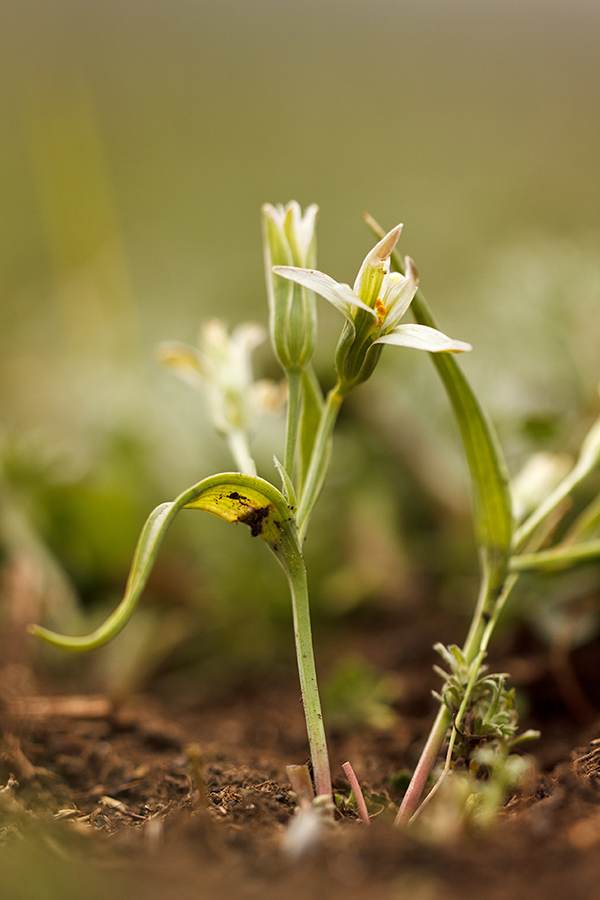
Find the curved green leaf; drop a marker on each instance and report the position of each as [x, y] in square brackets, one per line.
[231, 496]
[490, 489]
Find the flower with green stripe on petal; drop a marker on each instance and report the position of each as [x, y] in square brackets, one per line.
[373, 308]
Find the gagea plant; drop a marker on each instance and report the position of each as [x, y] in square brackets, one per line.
[372, 310]
[476, 712]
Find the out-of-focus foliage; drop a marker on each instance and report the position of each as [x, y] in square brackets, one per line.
[41, 860]
[139, 141]
[356, 695]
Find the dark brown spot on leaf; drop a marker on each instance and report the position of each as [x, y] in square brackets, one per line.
[254, 519]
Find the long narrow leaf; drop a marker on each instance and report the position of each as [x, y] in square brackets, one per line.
[236, 498]
[489, 477]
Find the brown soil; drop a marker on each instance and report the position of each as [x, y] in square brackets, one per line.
[138, 800]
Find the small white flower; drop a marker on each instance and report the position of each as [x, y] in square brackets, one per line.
[373, 308]
[382, 295]
[221, 368]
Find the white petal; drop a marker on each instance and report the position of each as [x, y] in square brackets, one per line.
[247, 336]
[213, 337]
[396, 297]
[377, 258]
[235, 363]
[306, 229]
[269, 397]
[186, 361]
[339, 295]
[422, 337]
[347, 295]
[275, 213]
[383, 250]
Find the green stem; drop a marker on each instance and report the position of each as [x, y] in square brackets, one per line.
[319, 459]
[488, 595]
[585, 525]
[294, 380]
[489, 606]
[557, 496]
[497, 611]
[308, 677]
[557, 559]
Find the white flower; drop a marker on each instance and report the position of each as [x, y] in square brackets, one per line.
[373, 308]
[221, 367]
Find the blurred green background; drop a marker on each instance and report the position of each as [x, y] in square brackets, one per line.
[138, 141]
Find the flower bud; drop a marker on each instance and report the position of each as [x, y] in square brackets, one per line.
[289, 240]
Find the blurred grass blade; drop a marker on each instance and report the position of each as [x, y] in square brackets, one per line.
[492, 505]
[586, 525]
[558, 558]
[230, 496]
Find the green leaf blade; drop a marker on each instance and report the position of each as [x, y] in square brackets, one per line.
[230, 496]
[490, 489]
[145, 554]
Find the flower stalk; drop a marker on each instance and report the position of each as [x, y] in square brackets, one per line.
[319, 462]
[308, 677]
[289, 238]
[294, 404]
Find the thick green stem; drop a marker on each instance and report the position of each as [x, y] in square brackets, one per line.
[319, 459]
[308, 677]
[294, 379]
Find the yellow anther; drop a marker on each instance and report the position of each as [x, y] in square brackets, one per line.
[381, 311]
